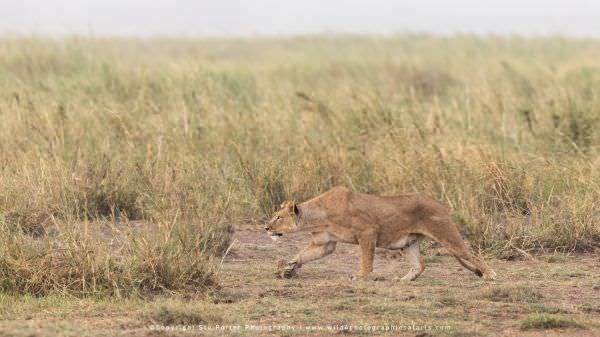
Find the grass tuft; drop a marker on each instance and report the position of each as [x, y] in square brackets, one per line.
[545, 322]
[513, 294]
[182, 314]
[83, 260]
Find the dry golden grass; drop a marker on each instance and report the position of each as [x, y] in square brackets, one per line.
[193, 136]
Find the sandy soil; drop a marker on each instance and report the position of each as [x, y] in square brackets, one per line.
[445, 294]
[446, 300]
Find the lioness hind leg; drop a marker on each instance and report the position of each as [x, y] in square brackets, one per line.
[462, 253]
[413, 255]
[472, 262]
[469, 266]
[451, 239]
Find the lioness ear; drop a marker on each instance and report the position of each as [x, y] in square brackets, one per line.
[287, 205]
[290, 206]
[295, 208]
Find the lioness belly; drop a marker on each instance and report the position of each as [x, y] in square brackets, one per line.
[403, 242]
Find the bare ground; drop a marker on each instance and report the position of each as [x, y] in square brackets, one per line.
[557, 294]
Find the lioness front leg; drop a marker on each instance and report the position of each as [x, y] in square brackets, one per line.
[367, 242]
[313, 252]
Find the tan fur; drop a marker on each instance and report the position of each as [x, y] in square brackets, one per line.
[395, 222]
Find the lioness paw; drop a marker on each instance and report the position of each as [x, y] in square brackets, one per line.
[359, 276]
[491, 276]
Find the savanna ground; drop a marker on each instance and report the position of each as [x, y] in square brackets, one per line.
[546, 296]
[129, 168]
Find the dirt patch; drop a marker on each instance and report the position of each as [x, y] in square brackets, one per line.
[446, 293]
[447, 300]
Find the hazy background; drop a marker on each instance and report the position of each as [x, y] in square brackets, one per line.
[282, 17]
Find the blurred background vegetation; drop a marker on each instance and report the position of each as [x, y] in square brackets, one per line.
[125, 163]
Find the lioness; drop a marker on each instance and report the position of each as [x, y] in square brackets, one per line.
[395, 222]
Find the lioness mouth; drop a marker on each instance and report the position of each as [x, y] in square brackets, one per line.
[275, 236]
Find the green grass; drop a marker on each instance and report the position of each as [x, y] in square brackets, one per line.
[513, 294]
[182, 315]
[545, 322]
[556, 258]
[193, 136]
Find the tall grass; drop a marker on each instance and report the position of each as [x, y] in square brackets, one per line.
[219, 132]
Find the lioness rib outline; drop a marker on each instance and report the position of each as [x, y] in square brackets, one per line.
[392, 222]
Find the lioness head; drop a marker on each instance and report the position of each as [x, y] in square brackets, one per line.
[284, 220]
